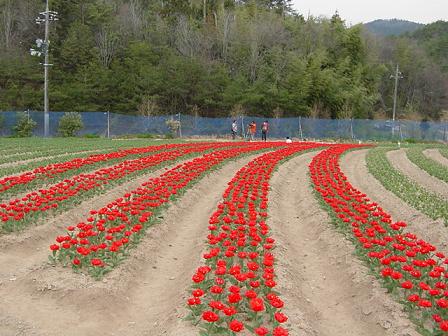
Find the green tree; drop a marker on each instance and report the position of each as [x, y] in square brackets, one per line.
[24, 126]
[78, 48]
[70, 124]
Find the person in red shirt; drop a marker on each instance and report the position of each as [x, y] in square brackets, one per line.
[252, 130]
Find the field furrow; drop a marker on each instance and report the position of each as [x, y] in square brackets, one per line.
[413, 270]
[16, 259]
[354, 165]
[327, 290]
[400, 161]
[146, 238]
[142, 297]
[18, 165]
[435, 154]
[19, 212]
[423, 200]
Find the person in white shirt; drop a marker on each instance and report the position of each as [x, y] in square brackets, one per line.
[234, 129]
[288, 140]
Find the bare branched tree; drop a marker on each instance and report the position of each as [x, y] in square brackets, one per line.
[187, 38]
[226, 27]
[263, 33]
[107, 44]
[7, 22]
[136, 17]
[149, 106]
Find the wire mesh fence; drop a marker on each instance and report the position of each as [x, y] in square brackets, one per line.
[114, 124]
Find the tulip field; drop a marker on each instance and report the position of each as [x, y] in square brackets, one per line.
[138, 237]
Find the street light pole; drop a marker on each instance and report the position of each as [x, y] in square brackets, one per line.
[43, 47]
[46, 65]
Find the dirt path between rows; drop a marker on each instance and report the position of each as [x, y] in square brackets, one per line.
[435, 155]
[16, 246]
[144, 296]
[354, 166]
[327, 291]
[400, 161]
[51, 157]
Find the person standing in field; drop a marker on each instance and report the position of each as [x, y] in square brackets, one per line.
[288, 140]
[264, 130]
[252, 130]
[234, 129]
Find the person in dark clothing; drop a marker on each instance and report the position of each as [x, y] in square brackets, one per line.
[264, 130]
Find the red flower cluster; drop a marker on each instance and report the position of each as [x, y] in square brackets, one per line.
[18, 212]
[408, 266]
[101, 241]
[235, 289]
[55, 169]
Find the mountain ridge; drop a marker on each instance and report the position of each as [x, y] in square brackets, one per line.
[392, 27]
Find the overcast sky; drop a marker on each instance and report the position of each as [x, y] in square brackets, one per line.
[356, 11]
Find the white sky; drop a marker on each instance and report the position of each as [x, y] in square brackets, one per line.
[356, 11]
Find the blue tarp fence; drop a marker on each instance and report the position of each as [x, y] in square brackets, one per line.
[307, 128]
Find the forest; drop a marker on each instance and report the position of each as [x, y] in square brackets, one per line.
[218, 58]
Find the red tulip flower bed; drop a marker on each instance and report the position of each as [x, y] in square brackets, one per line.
[410, 268]
[103, 240]
[18, 213]
[54, 170]
[235, 290]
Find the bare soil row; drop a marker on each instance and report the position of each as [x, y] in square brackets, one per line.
[327, 291]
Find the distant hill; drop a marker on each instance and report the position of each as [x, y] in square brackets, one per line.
[392, 27]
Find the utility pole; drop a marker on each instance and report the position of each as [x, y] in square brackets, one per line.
[108, 124]
[300, 128]
[351, 129]
[397, 77]
[44, 46]
[46, 65]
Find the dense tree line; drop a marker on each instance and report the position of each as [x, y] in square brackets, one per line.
[213, 58]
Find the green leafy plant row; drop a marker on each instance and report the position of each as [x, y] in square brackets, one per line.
[415, 155]
[418, 197]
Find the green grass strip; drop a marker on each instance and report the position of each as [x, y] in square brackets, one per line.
[416, 196]
[444, 151]
[434, 168]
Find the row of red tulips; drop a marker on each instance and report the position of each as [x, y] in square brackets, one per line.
[53, 170]
[103, 240]
[18, 213]
[235, 290]
[411, 269]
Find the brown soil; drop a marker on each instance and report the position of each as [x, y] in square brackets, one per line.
[435, 155]
[144, 296]
[354, 166]
[400, 161]
[327, 291]
[17, 245]
[42, 158]
[5, 197]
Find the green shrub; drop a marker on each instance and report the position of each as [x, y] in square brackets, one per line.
[91, 136]
[2, 123]
[70, 124]
[411, 140]
[25, 125]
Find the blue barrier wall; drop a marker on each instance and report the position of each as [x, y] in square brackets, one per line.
[96, 123]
